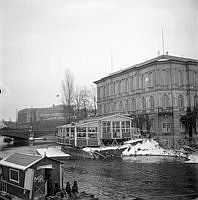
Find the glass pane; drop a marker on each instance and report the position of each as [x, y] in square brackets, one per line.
[14, 175]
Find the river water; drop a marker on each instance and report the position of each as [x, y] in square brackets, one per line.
[147, 177]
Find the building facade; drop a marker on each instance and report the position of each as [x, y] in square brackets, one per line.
[155, 93]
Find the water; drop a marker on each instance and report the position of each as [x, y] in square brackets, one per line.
[148, 177]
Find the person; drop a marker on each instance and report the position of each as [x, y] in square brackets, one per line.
[68, 189]
[56, 188]
[75, 187]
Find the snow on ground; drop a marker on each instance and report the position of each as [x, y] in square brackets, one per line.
[148, 147]
[192, 158]
[141, 147]
[52, 152]
[92, 149]
[125, 145]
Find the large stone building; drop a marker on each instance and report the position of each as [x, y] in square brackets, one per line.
[154, 93]
[41, 118]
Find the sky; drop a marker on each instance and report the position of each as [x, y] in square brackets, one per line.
[39, 39]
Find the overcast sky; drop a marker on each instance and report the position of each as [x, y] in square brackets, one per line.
[39, 39]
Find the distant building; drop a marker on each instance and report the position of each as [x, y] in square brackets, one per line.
[10, 124]
[41, 118]
[154, 93]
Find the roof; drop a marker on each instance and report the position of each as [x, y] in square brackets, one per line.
[161, 58]
[21, 161]
[94, 120]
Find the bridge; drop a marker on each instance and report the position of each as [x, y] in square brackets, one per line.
[16, 134]
[19, 134]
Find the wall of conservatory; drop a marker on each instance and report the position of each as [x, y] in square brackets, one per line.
[97, 131]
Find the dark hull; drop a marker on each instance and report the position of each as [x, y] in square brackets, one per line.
[109, 153]
[76, 153]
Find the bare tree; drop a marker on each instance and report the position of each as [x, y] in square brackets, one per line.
[68, 94]
[85, 101]
[77, 102]
[84, 95]
[93, 99]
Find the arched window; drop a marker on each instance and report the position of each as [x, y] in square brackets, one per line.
[181, 101]
[143, 103]
[133, 105]
[165, 101]
[152, 103]
[196, 101]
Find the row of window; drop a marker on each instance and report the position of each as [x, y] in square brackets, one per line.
[81, 132]
[146, 80]
[133, 105]
[116, 126]
[107, 127]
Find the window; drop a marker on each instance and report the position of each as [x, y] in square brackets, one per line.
[116, 129]
[180, 101]
[115, 106]
[195, 78]
[120, 106]
[126, 85]
[72, 132]
[151, 100]
[180, 77]
[105, 109]
[196, 101]
[131, 85]
[143, 103]
[107, 88]
[14, 175]
[127, 105]
[67, 134]
[165, 101]
[81, 132]
[146, 81]
[133, 105]
[118, 87]
[114, 87]
[164, 77]
[92, 132]
[166, 127]
[125, 126]
[122, 85]
[106, 127]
